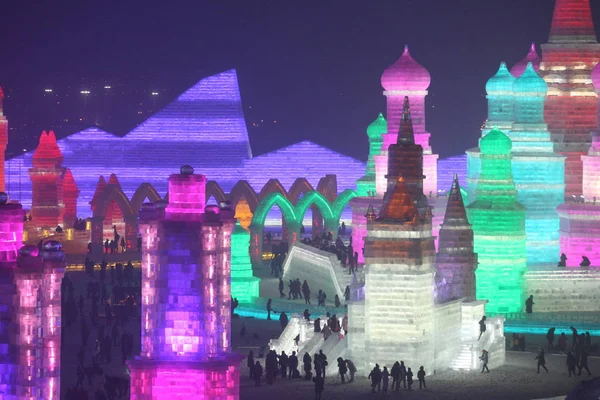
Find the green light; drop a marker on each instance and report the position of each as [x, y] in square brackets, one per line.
[244, 286]
[498, 221]
[375, 132]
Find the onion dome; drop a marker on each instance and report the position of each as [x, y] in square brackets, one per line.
[495, 142]
[531, 57]
[530, 82]
[501, 82]
[377, 128]
[405, 75]
[596, 76]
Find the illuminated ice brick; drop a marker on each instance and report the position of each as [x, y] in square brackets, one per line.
[186, 297]
[571, 107]
[498, 221]
[244, 286]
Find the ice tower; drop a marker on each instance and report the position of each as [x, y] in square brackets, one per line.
[537, 171]
[244, 286]
[186, 298]
[3, 141]
[455, 261]
[571, 106]
[406, 78]
[30, 311]
[499, 89]
[366, 187]
[498, 221]
[47, 207]
[580, 219]
[399, 259]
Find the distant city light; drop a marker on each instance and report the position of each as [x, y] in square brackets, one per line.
[107, 87]
[48, 90]
[154, 93]
[85, 92]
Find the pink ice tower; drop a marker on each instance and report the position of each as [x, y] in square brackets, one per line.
[580, 216]
[186, 297]
[406, 78]
[30, 296]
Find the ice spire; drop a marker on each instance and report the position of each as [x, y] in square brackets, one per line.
[572, 19]
[399, 206]
[406, 133]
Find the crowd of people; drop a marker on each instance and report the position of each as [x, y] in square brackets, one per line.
[345, 254]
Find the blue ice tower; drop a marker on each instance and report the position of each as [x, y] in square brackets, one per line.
[499, 89]
[538, 171]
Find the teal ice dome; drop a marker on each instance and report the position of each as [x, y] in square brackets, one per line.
[530, 82]
[502, 82]
[495, 143]
[377, 128]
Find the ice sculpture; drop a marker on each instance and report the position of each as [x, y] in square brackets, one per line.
[531, 57]
[498, 221]
[580, 217]
[244, 286]
[499, 89]
[47, 207]
[537, 171]
[399, 255]
[30, 293]
[186, 298]
[70, 196]
[365, 186]
[406, 78]
[455, 261]
[571, 106]
[3, 140]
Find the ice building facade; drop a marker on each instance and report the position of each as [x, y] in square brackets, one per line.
[580, 219]
[30, 326]
[244, 286]
[498, 221]
[571, 106]
[406, 78]
[186, 306]
[538, 172]
[204, 127]
[3, 141]
[455, 261]
[395, 315]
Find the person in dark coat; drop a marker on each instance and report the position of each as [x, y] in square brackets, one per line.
[575, 337]
[484, 360]
[571, 364]
[323, 359]
[550, 338]
[375, 376]
[257, 372]
[293, 365]
[317, 364]
[319, 386]
[562, 342]
[269, 309]
[482, 327]
[283, 364]
[541, 361]
[251, 364]
[583, 362]
[351, 369]
[342, 369]
[421, 377]
[395, 372]
[283, 320]
[281, 286]
[409, 378]
[529, 304]
[307, 361]
[403, 375]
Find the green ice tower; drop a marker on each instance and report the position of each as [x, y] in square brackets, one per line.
[244, 286]
[498, 221]
[375, 131]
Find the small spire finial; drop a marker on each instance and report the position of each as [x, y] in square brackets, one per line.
[406, 109]
[405, 49]
[533, 46]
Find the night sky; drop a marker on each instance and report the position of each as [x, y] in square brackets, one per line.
[314, 67]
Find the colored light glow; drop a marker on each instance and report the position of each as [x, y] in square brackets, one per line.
[498, 221]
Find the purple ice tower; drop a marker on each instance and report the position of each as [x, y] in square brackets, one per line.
[186, 297]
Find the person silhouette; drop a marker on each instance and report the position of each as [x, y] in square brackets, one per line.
[529, 305]
[482, 326]
[541, 361]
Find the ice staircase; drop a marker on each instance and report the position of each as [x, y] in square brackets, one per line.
[492, 340]
[286, 341]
